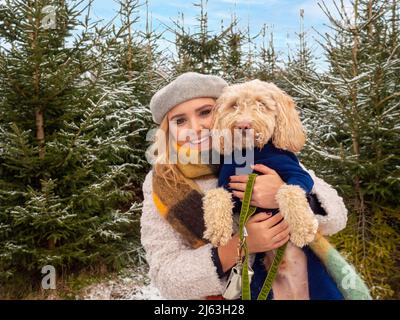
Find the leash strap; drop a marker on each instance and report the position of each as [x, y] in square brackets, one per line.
[245, 212]
[266, 288]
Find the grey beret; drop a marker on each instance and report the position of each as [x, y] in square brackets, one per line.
[187, 86]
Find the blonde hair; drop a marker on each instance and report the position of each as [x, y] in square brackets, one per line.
[162, 165]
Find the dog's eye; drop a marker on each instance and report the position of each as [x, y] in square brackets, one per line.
[261, 105]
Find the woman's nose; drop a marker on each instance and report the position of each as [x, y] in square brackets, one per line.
[197, 126]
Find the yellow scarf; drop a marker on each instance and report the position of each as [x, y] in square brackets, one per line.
[181, 204]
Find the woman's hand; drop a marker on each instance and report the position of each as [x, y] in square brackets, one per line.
[264, 190]
[266, 233]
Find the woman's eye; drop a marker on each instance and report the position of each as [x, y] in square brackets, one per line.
[205, 112]
[180, 121]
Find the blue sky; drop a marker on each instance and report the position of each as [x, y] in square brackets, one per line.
[281, 16]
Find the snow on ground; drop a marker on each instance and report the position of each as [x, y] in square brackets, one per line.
[146, 292]
[133, 284]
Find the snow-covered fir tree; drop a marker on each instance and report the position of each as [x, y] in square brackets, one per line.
[65, 162]
[198, 50]
[353, 114]
[301, 60]
[232, 55]
[267, 68]
[135, 63]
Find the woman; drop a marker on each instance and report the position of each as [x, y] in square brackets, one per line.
[182, 267]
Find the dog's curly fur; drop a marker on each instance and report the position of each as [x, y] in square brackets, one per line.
[296, 211]
[270, 110]
[273, 115]
[218, 202]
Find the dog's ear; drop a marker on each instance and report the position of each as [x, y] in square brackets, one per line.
[217, 139]
[216, 117]
[289, 133]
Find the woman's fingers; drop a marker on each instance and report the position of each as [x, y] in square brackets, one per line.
[273, 221]
[239, 194]
[263, 169]
[280, 243]
[237, 186]
[265, 187]
[281, 227]
[239, 178]
[278, 235]
[258, 217]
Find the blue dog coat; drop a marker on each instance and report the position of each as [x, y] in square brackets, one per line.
[286, 164]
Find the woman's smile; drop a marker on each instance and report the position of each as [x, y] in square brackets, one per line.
[197, 142]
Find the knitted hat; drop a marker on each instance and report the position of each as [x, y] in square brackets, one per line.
[187, 86]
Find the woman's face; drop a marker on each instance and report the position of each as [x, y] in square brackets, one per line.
[190, 122]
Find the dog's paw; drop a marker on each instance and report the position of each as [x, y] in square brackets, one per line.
[217, 207]
[295, 209]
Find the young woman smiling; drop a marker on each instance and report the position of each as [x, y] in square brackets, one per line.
[182, 267]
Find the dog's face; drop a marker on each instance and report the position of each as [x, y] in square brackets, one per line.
[259, 111]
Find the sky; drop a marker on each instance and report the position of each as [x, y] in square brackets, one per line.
[281, 16]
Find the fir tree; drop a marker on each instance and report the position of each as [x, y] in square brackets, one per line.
[267, 64]
[301, 62]
[354, 135]
[199, 51]
[63, 168]
[249, 65]
[135, 63]
[231, 59]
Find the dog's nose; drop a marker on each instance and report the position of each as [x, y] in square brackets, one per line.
[243, 125]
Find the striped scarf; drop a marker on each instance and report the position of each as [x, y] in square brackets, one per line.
[348, 281]
[181, 203]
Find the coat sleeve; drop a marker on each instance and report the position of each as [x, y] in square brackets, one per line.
[177, 270]
[336, 212]
[288, 167]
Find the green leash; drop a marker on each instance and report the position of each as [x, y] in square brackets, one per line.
[245, 212]
[272, 273]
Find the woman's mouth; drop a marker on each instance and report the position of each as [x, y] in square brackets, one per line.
[199, 140]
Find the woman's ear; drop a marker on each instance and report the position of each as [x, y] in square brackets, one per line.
[288, 133]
